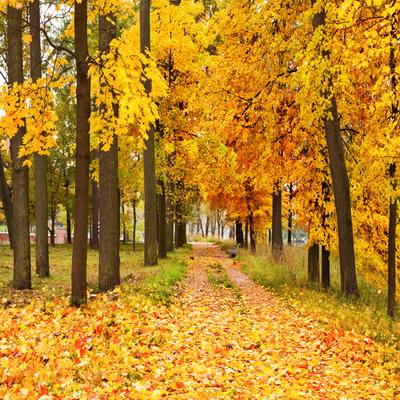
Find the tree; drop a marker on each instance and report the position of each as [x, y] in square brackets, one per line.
[20, 190]
[150, 200]
[41, 206]
[340, 179]
[109, 275]
[81, 201]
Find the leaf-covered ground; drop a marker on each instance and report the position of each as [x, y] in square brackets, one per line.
[223, 337]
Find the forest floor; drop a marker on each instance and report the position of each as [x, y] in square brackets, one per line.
[222, 337]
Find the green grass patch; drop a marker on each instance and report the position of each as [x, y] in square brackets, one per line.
[161, 286]
[288, 279]
[131, 267]
[217, 276]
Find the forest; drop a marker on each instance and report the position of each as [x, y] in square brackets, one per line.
[199, 199]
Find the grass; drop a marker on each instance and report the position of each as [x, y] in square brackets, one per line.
[165, 275]
[161, 284]
[217, 276]
[288, 279]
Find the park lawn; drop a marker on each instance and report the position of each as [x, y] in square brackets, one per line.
[156, 281]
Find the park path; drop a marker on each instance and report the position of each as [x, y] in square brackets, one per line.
[245, 343]
[215, 341]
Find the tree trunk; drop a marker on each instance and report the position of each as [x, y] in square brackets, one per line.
[81, 201]
[94, 243]
[340, 179]
[313, 263]
[326, 268]
[170, 216]
[391, 310]
[252, 234]
[277, 241]
[246, 234]
[150, 200]
[207, 225]
[239, 233]
[109, 267]
[134, 225]
[41, 206]
[69, 235]
[162, 223]
[53, 224]
[20, 194]
[180, 226]
[290, 216]
[6, 200]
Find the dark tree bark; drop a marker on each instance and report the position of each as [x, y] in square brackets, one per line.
[94, 242]
[180, 226]
[325, 253]
[239, 233]
[41, 206]
[207, 225]
[252, 234]
[109, 266]
[170, 216]
[290, 216]
[81, 201]
[162, 222]
[313, 263]
[277, 241]
[53, 223]
[134, 225]
[150, 201]
[340, 179]
[6, 200]
[69, 230]
[391, 309]
[246, 234]
[20, 194]
[325, 268]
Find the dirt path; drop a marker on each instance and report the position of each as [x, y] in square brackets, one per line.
[246, 344]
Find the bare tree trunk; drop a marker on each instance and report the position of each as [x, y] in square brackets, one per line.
[94, 243]
[162, 223]
[20, 194]
[340, 179]
[313, 263]
[325, 268]
[180, 226]
[277, 241]
[81, 202]
[69, 230]
[290, 216]
[53, 211]
[134, 225]
[109, 267]
[169, 207]
[6, 200]
[252, 234]
[150, 201]
[207, 225]
[41, 206]
[391, 310]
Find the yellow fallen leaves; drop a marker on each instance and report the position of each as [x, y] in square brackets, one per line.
[210, 344]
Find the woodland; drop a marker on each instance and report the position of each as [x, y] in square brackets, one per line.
[148, 130]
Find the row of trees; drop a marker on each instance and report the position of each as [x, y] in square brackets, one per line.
[301, 102]
[264, 111]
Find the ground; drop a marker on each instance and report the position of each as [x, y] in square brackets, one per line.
[223, 337]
